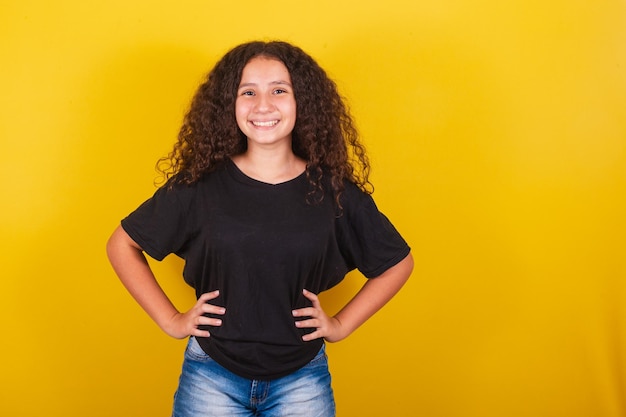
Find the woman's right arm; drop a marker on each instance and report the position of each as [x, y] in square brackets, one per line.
[132, 268]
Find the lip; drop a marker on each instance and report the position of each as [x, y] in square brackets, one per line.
[264, 123]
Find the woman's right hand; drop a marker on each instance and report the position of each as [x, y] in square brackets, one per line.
[186, 324]
[132, 268]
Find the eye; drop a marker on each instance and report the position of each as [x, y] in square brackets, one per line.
[280, 91]
[247, 93]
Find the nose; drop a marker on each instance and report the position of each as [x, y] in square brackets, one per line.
[264, 103]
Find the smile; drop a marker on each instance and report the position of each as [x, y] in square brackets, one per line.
[268, 123]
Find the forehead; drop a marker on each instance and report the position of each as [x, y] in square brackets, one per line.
[265, 68]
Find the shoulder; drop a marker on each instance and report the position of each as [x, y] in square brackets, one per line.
[181, 183]
[179, 190]
[353, 197]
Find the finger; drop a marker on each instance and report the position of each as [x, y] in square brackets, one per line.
[207, 296]
[312, 297]
[200, 333]
[312, 323]
[312, 336]
[306, 311]
[208, 321]
[203, 305]
[212, 309]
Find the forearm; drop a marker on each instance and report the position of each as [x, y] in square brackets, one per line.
[374, 294]
[133, 270]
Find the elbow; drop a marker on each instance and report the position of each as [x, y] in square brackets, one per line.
[407, 265]
[118, 244]
[111, 245]
[400, 272]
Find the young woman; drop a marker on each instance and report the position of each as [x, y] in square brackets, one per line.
[268, 201]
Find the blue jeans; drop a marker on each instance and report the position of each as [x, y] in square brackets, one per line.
[206, 389]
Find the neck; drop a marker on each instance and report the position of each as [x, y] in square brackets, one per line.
[270, 166]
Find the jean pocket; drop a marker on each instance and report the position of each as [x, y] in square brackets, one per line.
[195, 352]
[320, 359]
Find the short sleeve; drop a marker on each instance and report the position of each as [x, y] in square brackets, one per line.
[160, 225]
[368, 240]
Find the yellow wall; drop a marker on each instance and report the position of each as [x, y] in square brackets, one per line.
[497, 130]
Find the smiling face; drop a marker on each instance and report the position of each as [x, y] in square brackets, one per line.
[265, 108]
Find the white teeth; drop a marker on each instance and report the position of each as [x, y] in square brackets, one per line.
[265, 124]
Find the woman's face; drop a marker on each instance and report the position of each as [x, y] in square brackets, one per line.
[265, 108]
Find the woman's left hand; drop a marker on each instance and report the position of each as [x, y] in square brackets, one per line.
[327, 327]
[371, 297]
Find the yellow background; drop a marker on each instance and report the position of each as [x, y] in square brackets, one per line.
[497, 131]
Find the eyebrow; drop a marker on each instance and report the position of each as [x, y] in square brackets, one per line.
[279, 82]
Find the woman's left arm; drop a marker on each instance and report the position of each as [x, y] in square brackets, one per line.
[374, 294]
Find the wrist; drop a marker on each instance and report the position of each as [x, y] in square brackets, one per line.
[171, 326]
[339, 333]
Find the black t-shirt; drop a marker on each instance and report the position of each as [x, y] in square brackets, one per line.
[260, 245]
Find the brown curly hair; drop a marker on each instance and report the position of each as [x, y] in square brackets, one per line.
[324, 134]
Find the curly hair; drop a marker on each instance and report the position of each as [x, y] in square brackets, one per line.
[324, 134]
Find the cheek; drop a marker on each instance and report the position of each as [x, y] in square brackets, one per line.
[288, 108]
[241, 115]
[294, 114]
